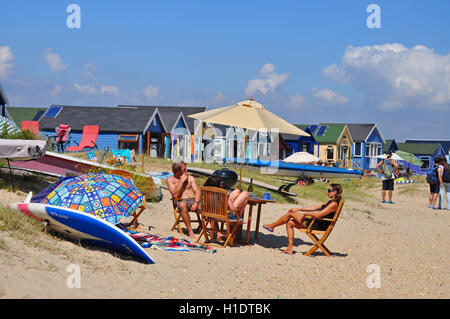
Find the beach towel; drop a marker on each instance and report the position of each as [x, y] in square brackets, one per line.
[165, 243]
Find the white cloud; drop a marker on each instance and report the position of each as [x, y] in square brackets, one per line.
[219, 98]
[392, 76]
[329, 97]
[109, 89]
[295, 103]
[267, 81]
[89, 70]
[297, 100]
[86, 89]
[54, 61]
[56, 90]
[6, 62]
[89, 89]
[151, 92]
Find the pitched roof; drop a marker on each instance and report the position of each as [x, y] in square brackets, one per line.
[445, 143]
[360, 132]
[419, 148]
[331, 134]
[19, 114]
[304, 127]
[3, 99]
[109, 119]
[168, 114]
[390, 144]
[170, 118]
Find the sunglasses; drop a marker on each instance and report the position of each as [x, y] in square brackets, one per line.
[331, 190]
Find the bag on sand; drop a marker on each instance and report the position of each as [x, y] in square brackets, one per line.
[446, 175]
[386, 171]
[432, 177]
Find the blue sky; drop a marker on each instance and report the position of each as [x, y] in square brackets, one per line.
[306, 61]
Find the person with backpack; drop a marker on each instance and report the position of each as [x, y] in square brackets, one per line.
[433, 179]
[445, 183]
[387, 168]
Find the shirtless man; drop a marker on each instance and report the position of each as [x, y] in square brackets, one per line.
[183, 188]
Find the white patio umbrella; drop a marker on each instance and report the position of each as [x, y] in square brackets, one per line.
[301, 157]
[249, 115]
[394, 157]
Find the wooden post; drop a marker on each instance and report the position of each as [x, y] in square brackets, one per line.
[148, 143]
[243, 160]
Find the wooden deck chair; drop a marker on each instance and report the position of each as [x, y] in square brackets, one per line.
[214, 208]
[179, 219]
[141, 208]
[319, 243]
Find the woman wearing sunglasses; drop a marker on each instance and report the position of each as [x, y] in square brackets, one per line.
[295, 217]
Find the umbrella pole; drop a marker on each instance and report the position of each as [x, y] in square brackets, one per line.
[243, 160]
[11, 176]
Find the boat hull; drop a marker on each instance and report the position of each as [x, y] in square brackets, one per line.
[84, 227]
[280, 168]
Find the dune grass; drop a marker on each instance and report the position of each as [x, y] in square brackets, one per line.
[26, 229]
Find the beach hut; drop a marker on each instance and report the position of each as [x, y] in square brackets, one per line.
[445, 143]
[173, 135]
[3, 103]
[390, 146]
[368, 143]
[183, 138]
[121, 127]
[19, 114]
[426, 152]
[300, 143]
[260, 145]
[335, 143]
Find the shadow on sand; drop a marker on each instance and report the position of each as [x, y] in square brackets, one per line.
[278, 242]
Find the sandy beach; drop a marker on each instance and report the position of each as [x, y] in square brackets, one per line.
[408, 242]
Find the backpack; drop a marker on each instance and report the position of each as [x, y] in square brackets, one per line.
[446, 175]
[432, 175]
[386, 171]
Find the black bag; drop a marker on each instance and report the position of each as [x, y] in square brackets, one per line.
[446, 175]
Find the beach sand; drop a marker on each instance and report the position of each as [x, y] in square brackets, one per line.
[408, 242]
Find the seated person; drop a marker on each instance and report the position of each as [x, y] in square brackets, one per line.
[184, 190]
[295, 219]
[237, 200]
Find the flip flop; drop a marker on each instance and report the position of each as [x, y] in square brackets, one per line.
[267, 229]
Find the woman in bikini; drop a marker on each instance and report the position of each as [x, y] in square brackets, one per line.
[295, 219]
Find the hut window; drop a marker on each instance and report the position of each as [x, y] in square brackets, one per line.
[129, 141]
[330, 154]
[426, 162]
[358, 149]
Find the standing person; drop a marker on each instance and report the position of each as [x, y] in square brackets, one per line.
[386, 168]
[434, 179]
[444, 183]
[294, 219]
[184, 190]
